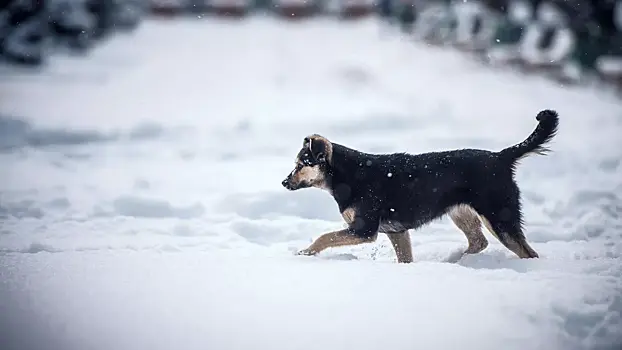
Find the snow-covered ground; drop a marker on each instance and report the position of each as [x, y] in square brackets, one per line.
[141, 204]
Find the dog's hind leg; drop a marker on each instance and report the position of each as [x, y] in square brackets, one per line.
[467, 220]
[511, 236]
[401, 245]
[501, 215]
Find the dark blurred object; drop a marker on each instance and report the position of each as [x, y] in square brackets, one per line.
[578, 13]
[32, 29]
[433, 22]
[4, 4]
[109, 16]
[385, 9]
[231, 8]
[199, 8]
[475, 25]
[355, 9]
[22, 32]
[549, 43]
[294, 9]
[407, 16]
[347, 9]
[608, 64]
[597, 34]
[72, 24]
[102, 14]
[167, 7]
[127, 14]
[536, 37]
[497, 6]
[510, 30]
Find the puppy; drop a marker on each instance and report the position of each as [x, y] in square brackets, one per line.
[394, 193]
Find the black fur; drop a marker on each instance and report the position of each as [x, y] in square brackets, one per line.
[535, 143]
[396, 192]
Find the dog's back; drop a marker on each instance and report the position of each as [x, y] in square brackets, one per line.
[413, 189]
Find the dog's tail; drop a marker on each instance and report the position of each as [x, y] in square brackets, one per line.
[548, 121]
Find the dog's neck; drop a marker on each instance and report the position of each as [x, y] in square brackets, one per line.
[345, 159]
[339, 172]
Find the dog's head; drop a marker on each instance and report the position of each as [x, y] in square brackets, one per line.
[312, 164]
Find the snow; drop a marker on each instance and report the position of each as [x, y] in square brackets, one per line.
[609, 65]
[141, 204]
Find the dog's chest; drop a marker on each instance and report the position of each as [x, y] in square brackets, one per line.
[348, 215]
[391, 226]
[387, 225]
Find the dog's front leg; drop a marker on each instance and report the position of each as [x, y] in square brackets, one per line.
[361, 229]
[336, 239]
[401, 245]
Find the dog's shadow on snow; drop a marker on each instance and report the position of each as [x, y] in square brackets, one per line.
[341, 256]
[336, 256]
[327, 255]
[494, 260]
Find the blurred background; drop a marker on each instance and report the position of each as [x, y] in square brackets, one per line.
[571, 42]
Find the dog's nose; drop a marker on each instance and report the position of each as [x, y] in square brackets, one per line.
[285, 183]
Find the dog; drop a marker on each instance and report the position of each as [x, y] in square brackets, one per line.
[397, 192]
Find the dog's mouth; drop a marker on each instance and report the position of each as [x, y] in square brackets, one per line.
[293, 186]
[288, 185]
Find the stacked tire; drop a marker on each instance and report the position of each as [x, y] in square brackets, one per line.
[349, 9]
[231, 8]
[295, 9]
[168, 8]
[22, 32]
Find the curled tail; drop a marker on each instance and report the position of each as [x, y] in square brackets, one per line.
[548, 122]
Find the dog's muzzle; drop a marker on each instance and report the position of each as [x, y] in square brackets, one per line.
[287, 184]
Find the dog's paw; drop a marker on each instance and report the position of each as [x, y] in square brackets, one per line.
[307, 252]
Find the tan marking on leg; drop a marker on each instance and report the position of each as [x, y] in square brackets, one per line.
[348, 215]
[489, 227]
[519, 247]
[401, 245]
[529, 252]
[467, 220]
[335, 239]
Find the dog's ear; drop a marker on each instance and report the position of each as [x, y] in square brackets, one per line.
[321, 149]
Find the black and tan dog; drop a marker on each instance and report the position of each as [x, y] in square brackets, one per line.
[393, 193]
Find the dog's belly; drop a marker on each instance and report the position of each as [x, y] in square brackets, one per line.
[392, 226]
